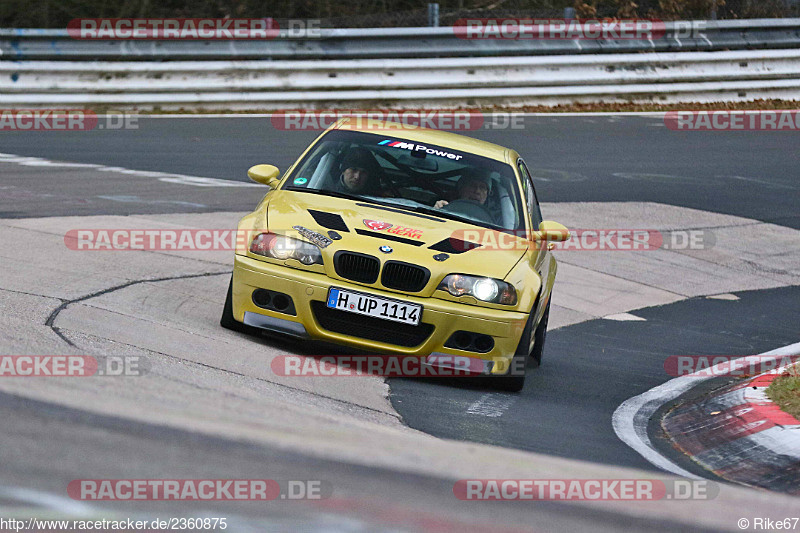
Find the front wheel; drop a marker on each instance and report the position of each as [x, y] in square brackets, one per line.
[539, 337]
[514, 379]
[227, 321]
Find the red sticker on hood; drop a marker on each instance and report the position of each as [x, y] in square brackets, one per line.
[376, 225]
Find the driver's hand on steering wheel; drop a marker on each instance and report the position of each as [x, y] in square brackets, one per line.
[440, 204]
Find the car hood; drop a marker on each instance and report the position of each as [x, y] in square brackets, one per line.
[414, 238]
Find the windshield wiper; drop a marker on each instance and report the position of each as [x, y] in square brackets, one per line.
[443, 214]
[325, 192]
[416, 209]
[451, 216]
[367, 199]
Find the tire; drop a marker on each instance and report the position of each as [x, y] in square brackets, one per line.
[515, 383]
[540, 336]
[511, 382]
[227, 321]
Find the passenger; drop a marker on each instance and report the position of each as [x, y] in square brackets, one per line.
[471, 186]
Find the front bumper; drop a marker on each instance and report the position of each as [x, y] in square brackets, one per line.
[309, 292]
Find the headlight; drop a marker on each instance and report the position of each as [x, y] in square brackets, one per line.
[484, 289]
[283, 247]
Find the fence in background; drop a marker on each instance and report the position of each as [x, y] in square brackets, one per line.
[421, 67]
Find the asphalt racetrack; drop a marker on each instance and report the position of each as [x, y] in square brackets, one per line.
[603, 171]
[576, 159]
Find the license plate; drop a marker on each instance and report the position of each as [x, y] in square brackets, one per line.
[365, 304]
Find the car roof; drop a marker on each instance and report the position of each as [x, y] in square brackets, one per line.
[424, 135]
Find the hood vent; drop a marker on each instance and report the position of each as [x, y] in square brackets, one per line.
[329, 220]
[388, 237]
[452, 245]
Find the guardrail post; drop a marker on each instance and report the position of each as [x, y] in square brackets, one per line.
[433, 15]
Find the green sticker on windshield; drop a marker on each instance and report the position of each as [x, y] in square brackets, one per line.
[300, 181]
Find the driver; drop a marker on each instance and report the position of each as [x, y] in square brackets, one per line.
[359, 173]
[472, 186]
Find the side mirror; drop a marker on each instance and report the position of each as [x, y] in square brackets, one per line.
[552, 232]
[265, 174]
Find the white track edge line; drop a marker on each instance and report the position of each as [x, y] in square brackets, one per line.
[631, 417]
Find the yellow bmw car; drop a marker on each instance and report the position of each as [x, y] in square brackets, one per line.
[411, 242]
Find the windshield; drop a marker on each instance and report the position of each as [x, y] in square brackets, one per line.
[423, 178]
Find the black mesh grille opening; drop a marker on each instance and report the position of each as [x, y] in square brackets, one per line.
[370, 328]
[356, 267]
[453, 245]
[274, 301]
[470, 342]
[329, 220]
[404, 276]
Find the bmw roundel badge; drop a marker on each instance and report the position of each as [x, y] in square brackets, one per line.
[386, 249]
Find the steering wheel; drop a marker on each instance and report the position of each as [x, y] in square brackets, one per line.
[470, 209]
[392, 189]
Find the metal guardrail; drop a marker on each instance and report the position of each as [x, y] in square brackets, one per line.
[434, 74]
[400, 67]
[38, 44]
[690, 76]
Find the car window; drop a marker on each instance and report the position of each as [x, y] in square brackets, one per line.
[398, 172]
[530, 195]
